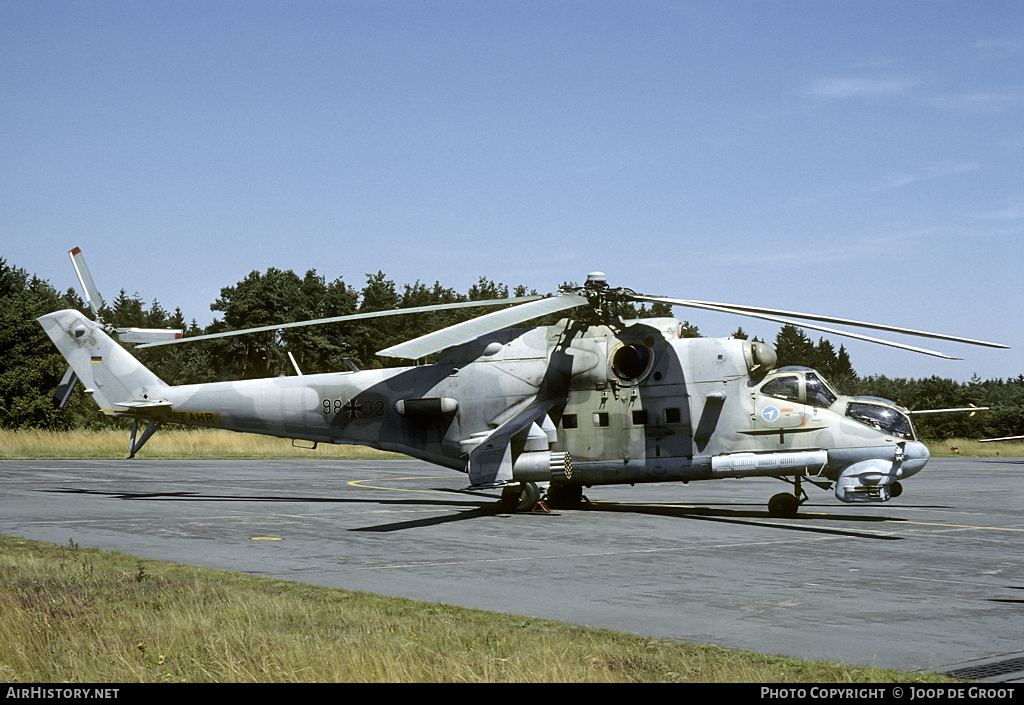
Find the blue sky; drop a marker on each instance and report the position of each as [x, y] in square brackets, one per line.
[858, 159]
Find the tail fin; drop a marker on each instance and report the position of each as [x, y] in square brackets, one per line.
[109, 372]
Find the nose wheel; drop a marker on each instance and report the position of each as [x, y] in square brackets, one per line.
[785, 504]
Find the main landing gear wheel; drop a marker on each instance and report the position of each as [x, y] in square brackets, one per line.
[783, 505]
[564, 496]
[520, 498]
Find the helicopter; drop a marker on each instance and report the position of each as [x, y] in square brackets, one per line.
[541, 412]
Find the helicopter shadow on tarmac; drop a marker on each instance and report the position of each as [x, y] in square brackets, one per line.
[488, 506]
[748, 517]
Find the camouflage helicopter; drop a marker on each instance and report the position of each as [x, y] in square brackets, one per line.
[542, 412]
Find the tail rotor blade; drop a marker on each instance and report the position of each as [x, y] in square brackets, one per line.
[92, 294]
[63, 391]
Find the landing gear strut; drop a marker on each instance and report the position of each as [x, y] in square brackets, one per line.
[785, 504]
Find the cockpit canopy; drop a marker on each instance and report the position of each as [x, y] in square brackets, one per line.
[801, 384]
[883, 418]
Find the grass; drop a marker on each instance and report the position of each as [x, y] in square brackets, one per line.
[82, 615]
[199, 443]
[975, 449]
[170, 442]
[71, 614]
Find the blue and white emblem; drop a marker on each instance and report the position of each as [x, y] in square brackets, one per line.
[770, 413]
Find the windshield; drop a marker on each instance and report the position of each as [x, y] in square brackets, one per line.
[881, 418]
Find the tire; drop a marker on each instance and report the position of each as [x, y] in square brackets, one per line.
[520, 499]
[783, 505]
[564, 496]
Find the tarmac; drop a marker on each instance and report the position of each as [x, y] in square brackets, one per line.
[932, 580]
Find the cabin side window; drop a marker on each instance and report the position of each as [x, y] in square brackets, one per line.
[818, 392]
[783, 388]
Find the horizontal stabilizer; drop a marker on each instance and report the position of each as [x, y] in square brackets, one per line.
[145, 404]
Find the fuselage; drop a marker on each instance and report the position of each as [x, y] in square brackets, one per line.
[632, 401]
[574, 403]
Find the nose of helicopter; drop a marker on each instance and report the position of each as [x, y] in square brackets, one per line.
[915, 456]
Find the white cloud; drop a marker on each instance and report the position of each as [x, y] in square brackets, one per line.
[926, 172]
[990, 49]
[847, 88]
[979, 100]
[1012, 211]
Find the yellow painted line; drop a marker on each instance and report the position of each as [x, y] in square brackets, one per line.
[969, 469]
[265, 538]
[359, 483]
[953, 526]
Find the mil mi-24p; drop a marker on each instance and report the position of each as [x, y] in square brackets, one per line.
[590, 400]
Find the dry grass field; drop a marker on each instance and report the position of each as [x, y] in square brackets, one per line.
[75, 615]
[200, 443]
[69, 614]
[172, 442]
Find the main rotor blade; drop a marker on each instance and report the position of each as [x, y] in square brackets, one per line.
[350, 317]
[148, 335]
[971, 409]
[724, 308]
[472, 329]
[92, 294]
[751, 310]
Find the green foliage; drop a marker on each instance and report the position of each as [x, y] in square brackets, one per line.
[795, 348]
[1004, 398]
[31, 368]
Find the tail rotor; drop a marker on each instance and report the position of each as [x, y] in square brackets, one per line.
[124, 335]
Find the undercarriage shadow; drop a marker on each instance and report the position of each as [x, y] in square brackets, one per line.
[479, 505]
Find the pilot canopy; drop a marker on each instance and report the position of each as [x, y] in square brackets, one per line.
[803, 385]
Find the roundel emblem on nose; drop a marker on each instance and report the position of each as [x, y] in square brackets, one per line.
[770, 413]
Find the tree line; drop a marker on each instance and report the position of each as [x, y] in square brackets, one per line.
[31, 367]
